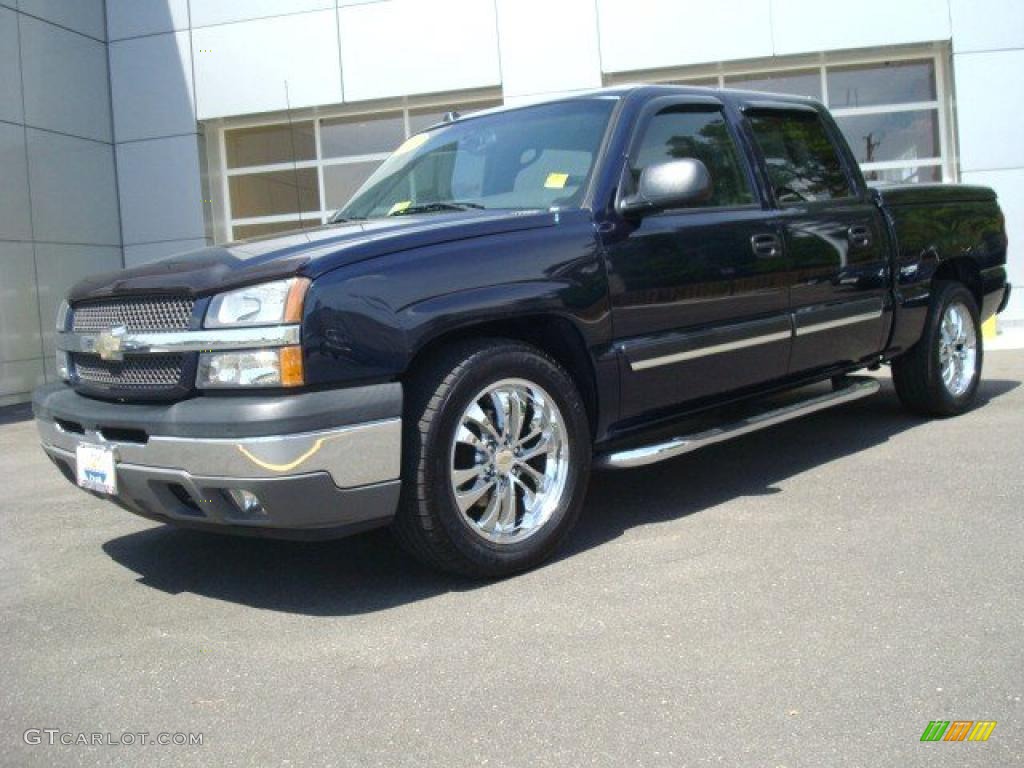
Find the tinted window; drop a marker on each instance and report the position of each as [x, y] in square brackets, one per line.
[341, 181]
[899, 136]
[886, 83]
[363, 135]
[802, 83]
[802, 161]
[270, 144]
[423, 118]
[530, 158]
[680, 133]
[274, 193]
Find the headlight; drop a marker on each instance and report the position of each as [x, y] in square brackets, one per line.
[280, 367]
[63, 365]
[62, 361]
[63, 312]
[264, 304]
[276, 303]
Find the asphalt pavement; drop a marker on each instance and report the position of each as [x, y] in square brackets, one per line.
[811, 595]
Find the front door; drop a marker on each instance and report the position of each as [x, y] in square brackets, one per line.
[835, 240]
[699, 295]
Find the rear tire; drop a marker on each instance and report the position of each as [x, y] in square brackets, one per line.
[496, 458]
[940, 374]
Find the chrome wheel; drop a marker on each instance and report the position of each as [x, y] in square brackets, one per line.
[958, 349]
[509, 461]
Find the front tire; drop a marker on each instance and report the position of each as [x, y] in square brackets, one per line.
[939, 376]
[496, 457]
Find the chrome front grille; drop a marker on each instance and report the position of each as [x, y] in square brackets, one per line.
[156, 314]
[139, 373]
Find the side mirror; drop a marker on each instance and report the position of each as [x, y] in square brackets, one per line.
[675, 184]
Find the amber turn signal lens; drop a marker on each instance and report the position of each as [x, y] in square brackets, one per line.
[291, 367]
[296, 299]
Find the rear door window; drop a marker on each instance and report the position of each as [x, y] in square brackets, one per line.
[803, 164]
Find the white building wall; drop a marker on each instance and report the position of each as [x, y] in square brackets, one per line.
[134, 18]
[242, 67]
[209, 12]
[988, 65]
[58, 193]
[548, 47]
[805, 26]
[406, 47]
[649, 34]
[156, 134]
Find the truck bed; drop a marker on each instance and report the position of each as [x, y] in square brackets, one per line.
[954, 230]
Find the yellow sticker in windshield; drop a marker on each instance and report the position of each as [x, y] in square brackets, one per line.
[412, 143]
[399, 207]
[556, 181]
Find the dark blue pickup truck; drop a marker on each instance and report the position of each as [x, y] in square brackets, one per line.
[612, 279]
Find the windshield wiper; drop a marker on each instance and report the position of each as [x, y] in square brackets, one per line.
[339, 219]
[441, 206]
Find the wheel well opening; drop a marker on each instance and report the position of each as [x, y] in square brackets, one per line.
[554, 335]
[962, 271]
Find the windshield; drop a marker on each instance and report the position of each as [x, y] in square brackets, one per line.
[530, 158]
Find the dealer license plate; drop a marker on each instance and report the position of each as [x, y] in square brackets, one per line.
[96, 468]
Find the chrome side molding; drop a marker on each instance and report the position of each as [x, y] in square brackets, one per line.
[854, 389]
[715, 349]
[803, 330]
[797, 324]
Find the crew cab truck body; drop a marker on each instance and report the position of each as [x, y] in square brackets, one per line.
[512, 296]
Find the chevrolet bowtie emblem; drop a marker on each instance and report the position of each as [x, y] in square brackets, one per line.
[109, 344]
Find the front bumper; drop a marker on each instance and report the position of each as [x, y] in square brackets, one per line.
[322, 464]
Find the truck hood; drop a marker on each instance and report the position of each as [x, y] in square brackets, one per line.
[309, 253]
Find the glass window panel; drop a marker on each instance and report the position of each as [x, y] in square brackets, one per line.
[801, 83]
[682, 133]
[711, 82]
[270, 144]
[362, 135]
[469, 178]
[341, 181]
[421, 119]
[802, 161]
[541, 159]
[916, 175]
[892, 136]
[245, 231]
[271, 194]
[896, 82]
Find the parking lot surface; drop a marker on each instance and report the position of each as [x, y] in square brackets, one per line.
[811, 595]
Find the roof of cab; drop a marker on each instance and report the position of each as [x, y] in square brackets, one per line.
[651, 90]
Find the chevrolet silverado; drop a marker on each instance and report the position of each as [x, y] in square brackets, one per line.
[610, 279]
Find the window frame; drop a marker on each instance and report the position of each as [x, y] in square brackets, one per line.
[710, 104]
[218, 202]
[938, 54]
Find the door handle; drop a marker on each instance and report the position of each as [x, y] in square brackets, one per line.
[766, 246]
[859, 236]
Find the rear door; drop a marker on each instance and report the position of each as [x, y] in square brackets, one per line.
[700, 295]
[834, 237]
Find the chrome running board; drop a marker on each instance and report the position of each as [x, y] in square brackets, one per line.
[851, 389]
